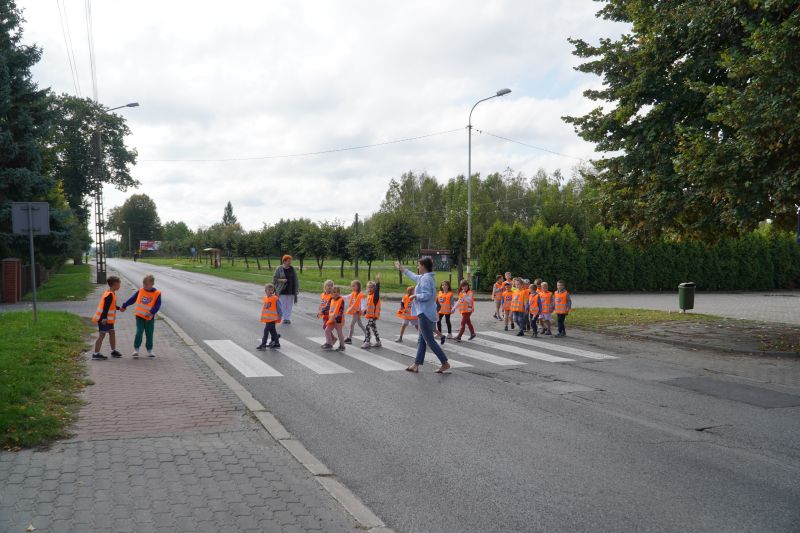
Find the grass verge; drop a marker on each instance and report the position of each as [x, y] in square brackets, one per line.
[71, 282]
[40, 374]
[604, 317]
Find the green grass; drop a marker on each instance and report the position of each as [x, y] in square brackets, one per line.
[310, 279]
[71, 282]
[600, 317]
[40, 375]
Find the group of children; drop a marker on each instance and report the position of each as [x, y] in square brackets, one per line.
[530, 305]
[146, 302]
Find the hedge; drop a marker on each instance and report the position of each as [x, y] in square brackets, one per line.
[761, 260]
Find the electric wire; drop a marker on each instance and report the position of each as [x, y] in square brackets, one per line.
[532, 146]
[72, 66]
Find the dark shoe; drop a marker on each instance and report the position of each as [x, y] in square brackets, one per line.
[348, 340]
[535, 335]
[287, 322]
[275, 345]
[442, 339]
[458, 339]
[548, 332]
[261, 347]
[505, 328]
[472, 336]
[512, 325]
[521, 333]
[115, 354]
[99, 357]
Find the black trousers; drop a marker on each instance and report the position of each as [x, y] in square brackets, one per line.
[269, 329]
[447, 321]
[561, 328]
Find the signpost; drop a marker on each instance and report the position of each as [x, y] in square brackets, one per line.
[31, 218]
[149, 245]
[442, 259]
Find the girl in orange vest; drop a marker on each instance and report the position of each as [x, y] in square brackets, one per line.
[508, 294]
[335, 321]
[562, 302]
[444, 307]
[356, 305]
[325, 301]
[518, 306]
[405, 313]
[497, 296]
[104, 317]
[271, 314]
[373, 312]
[146, 303]
[545, 318]
[465, 305]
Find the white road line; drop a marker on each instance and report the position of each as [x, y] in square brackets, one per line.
[248, 364]
[549, 346]
[404, 349]
[314, 362]
[533, 354]
[361, 355]
[482, 356]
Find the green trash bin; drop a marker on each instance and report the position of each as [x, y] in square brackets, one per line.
[686, 295]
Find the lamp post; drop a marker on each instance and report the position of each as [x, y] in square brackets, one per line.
[100, 235]
[501, 92]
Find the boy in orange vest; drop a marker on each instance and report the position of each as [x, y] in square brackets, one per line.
[373, 312]
[271, 314]
[444, 308]
[335, 321]
[405, 313]
[563, 305]
[497, 296]
[508, 295]
[146, 302]
[104, 317]
[518, 306]
[545, 318]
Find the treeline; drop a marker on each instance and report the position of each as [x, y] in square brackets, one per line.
[605, 261]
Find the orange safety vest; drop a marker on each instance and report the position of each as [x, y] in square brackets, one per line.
[269, 311]
[445, 302]
[324, 303]
[497, 290]
[355, 303]
[507, 297]
[111, 316]
[561, 302]
[547, 301]
[405, 309]
[534, 304]
[373, 311]
[517, 303]
[466, 302]
[144, 303]
[336, 311]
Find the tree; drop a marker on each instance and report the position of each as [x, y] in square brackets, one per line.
[365, 247]
[701, 117]
[228, 218]
[339, 239]
[397, 237]
[316, 243]
[136, 218]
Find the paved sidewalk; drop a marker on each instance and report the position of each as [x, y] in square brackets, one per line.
[161, 445]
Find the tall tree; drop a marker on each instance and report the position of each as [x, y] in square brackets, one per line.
[700, 116]
[339, 239]
[316, 242]
[365, 247]
[136, 219]
[228, 218]
[397, 237]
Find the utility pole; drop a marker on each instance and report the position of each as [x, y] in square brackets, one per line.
[355, 255]
[99, 217]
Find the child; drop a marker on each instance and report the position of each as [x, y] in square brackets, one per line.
[146, 302]
[444, 308]
[271, 314]
[104, 317]
[325, 301]
[518, 306]
[497, 295]
[546, 298]
[563, 305]
[508, 295]
[355, 308]
[526, 293]
[373, 312]
[534, 310]
[465, 304]
[335, 321]
[405, 313]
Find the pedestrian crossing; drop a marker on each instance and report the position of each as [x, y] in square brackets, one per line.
[480, 351]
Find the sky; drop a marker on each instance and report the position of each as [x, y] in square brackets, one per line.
[259, 79]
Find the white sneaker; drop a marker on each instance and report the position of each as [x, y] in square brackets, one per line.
[398, 339]
[150, 354]
[365, 345]
[135, 354]
[376, 344]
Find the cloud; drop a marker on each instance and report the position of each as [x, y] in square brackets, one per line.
[247, 79]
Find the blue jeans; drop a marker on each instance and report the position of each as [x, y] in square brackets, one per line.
[425, 338]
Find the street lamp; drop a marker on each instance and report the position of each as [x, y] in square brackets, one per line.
[501, 92]
[100, 235]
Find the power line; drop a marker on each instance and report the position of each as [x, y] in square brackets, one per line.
[90, 39]
[532, 146]
[305, 154]
[67, 44]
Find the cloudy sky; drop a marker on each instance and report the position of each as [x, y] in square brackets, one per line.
[269, 78]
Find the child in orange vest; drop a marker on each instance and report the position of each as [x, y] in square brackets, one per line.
[271, 314]
[405, 313]
[335, 320]
[325, 301]
[508, 295]
[562, 302]
[356, 305]
[104, 317]
[497, 296]
[444, 308]
[534, 308]
[373, 312]
[465, 305]
[518, 306]
[545, 318]
[146, 302]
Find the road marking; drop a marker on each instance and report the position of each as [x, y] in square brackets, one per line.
[314, 362]
[533, 354]
[549, 346]
[248, 364]
[361, 355]
[403, 349]
[482, 356]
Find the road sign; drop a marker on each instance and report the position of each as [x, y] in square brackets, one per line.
[35, 215]
[149, 245]
[442, 259]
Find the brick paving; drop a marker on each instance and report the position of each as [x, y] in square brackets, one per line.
[161, 445]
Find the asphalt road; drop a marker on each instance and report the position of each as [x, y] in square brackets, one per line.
[617, 443]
